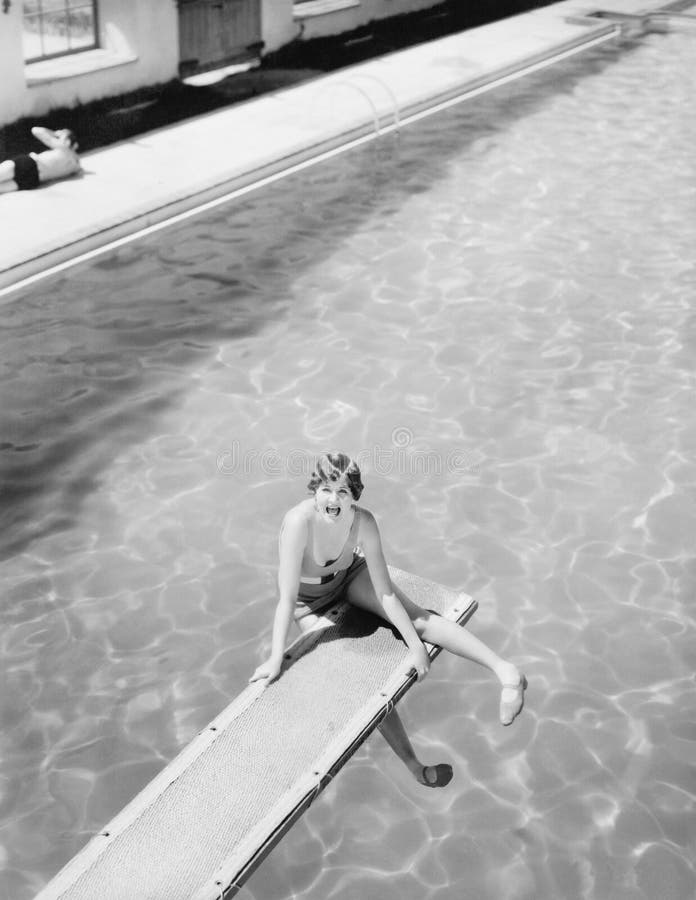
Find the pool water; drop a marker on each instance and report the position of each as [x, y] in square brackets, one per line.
[495, 311]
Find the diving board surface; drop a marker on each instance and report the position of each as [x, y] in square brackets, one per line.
[202, 826]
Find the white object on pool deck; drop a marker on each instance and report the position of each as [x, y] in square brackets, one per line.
[204, 824]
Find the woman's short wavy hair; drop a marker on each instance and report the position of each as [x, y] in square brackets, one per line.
[331, 467]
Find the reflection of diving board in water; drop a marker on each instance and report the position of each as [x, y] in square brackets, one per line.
[203, 825]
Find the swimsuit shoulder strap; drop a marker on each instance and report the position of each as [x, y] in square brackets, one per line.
[353, 533]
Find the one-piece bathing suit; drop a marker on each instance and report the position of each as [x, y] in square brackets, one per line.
[320, 586]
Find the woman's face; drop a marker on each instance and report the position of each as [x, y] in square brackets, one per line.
[333, 500]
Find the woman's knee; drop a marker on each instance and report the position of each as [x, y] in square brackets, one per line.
[421, 618]
[361, 593]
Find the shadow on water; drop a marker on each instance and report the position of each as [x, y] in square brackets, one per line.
[93, 358]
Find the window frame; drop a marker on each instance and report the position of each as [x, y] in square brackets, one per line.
[40, 15]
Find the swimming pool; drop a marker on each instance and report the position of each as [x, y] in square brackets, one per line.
[496, 311]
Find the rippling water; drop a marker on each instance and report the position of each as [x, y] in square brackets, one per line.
[496, 310]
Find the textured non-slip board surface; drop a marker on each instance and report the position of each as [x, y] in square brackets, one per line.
[203, 824]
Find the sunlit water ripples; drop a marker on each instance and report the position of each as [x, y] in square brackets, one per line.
[496, 311]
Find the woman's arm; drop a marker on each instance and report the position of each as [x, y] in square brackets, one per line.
[394, 611]
[293, 538]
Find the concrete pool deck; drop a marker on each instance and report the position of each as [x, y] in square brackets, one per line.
[148, 179]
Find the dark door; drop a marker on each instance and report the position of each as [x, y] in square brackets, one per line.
[216, 32]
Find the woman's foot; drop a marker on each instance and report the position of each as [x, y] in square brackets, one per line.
[512, 696]
[435, 776]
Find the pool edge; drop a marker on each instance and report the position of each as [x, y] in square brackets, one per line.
[99, 237]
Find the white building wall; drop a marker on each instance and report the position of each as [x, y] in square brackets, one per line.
[150, 30]
[12, 84]
[354, 16]
[139, 46]
[277, 24]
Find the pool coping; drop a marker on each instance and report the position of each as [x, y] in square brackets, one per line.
[156, 179]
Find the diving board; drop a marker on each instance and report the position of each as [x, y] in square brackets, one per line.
[205, 823]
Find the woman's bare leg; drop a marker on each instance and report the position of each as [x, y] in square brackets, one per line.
[435, 629]
[394, 733]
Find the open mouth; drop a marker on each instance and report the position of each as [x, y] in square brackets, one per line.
[333, 511]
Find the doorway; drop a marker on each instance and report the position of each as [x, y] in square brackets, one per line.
[215, 33]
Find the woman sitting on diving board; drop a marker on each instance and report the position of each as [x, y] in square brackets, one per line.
[330, 549]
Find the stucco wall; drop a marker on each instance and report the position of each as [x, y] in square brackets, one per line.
[138, 40]
[151, 30]
[277, 25]
[11, 65]
[355, 16]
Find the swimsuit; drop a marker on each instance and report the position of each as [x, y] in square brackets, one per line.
[323, 585]
[26, 172]
[33, 168]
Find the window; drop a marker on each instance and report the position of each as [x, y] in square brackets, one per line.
[57, 27]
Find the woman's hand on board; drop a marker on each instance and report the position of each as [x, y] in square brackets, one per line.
[419, 660]
[267, 671]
